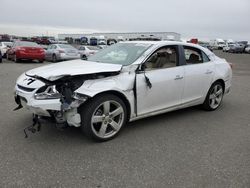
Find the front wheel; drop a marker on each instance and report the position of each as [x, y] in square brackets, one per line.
[214, 97]
[103, 117]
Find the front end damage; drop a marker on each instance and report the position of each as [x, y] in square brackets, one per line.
[58, 99]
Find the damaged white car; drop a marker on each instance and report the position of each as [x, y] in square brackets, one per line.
[125, 82]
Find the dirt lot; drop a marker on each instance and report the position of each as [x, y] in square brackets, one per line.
[186, 148]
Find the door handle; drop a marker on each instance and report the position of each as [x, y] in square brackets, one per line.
[208, 72]
[178, 77]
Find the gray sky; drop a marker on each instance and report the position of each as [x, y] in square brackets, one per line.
[191, 18]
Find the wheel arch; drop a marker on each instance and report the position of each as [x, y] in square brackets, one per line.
[222, 82]
[116, 93]
[122, 97]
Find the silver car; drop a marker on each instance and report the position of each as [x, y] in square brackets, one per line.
[60, 52]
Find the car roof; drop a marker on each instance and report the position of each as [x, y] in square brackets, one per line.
[167, 42]
[163, 42]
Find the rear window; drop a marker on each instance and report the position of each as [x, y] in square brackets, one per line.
[27, 44]
[93, 48]
[7, 43]
[65, 46]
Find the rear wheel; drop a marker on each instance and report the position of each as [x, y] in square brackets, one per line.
[103, 117]
[84, 57]
[16, 60]
[41, 61]
[214, 97]
[54, 59]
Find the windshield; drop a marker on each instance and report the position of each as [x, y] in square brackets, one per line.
[120, 53]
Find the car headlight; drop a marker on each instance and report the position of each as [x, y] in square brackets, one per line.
[80, 97]
[49, 92]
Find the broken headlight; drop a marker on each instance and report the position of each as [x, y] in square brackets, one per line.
[47, 92]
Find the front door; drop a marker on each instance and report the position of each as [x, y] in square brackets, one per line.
[166, 79]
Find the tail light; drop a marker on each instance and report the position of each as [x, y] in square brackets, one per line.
[41, 50]
[61, 51]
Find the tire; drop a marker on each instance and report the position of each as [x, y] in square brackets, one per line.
[84, 57]
[54, 59]
[107, 124]
[15, 59]
[214, 97]
[41, 61]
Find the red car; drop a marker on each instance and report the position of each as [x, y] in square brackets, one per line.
[26, 50]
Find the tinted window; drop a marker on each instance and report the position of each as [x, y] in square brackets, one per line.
[82, 48]
[195, 55]
[165, 57]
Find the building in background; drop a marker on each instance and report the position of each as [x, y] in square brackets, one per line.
[99, 37]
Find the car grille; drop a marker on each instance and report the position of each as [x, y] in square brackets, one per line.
[25, 88]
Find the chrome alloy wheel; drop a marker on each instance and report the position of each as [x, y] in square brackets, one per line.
[216, 96]
[107, 119]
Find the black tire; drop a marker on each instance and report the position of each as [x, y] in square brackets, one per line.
[91, 108]
[41, 61]
[15, 59]
[54, 59]
[207, 103]
[84, 57]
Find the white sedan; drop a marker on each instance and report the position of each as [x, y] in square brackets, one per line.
[125, 82]
[4, 46]
[86, 51]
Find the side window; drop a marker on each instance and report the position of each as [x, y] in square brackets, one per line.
[82, 48]
[195, 55]
[164, 57]
[205, 57]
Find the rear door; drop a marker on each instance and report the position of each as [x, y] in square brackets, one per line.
[198, 73]
[165, 75]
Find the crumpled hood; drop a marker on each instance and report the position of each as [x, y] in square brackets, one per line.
[70, 68]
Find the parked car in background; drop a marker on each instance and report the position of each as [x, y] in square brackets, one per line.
[247, 49]
[61, 52]
[1, 57]
[86, 51]
[227, 47]
[24, 50]
[218, 44]
[4, 46]
[206, 45]
[125, 82]
[236, 48]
